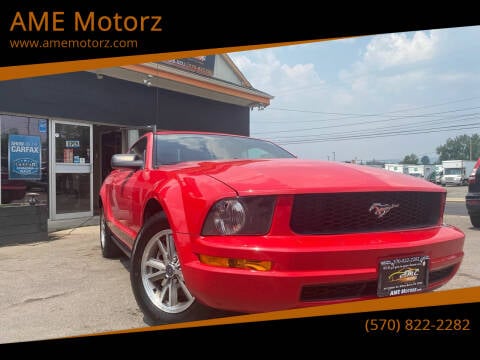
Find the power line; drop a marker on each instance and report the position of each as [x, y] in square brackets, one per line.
[382, 134]
[390, 127]
[368, 122]
[370, 114]
[390, 133]
[354, 115]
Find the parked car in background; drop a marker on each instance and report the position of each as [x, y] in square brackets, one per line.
[240, 224]
[472, 198]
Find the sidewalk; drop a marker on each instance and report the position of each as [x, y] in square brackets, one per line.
[58, 225]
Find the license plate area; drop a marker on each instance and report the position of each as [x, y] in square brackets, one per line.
[402, 276]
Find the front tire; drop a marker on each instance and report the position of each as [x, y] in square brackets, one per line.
[475, 220]
[156, 276]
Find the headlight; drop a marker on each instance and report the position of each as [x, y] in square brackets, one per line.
[228, 216]
[250, 215]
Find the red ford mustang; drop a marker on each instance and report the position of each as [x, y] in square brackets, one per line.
[235, 223]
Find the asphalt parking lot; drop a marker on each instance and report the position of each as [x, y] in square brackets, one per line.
[64, 287]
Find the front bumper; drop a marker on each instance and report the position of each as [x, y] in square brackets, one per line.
[311, 270]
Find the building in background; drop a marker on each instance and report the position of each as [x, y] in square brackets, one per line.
[400, 168]
[417, 170]
[59, 132]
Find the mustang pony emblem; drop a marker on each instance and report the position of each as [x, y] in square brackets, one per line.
[380, 210]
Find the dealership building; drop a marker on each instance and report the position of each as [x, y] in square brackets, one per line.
[59, 132]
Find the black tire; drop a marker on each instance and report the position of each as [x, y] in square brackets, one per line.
[148, 293]
[475, 220]
[110, 250]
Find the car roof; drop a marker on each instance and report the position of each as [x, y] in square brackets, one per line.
[168, 132]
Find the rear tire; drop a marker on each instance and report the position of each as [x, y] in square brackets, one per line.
[109, 249]
[156, 277]
[475, 220]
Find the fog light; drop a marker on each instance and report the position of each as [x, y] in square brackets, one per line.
[259, 265]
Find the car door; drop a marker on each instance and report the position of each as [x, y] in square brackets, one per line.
[123, 204]
[128, 197]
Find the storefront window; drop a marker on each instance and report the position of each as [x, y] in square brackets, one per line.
[24, 159]
[72, 168]
[72, 144]
[73, 192]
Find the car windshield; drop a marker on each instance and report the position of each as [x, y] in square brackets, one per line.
[175, 148]
[453, 171]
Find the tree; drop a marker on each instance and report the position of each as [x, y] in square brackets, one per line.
[462, 147]
[410, 159]
[425, 160]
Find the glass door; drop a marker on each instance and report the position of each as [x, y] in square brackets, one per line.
[72, 170]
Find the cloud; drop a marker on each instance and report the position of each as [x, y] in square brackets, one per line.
[393, 64]
[335, 87]
[391, 53]
[385, 65]
[299, 73]
[259, 68]
[266, 72]
[386, 51]
[458, 77]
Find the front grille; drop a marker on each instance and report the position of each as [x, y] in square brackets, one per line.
[343, 213]
[358, 289]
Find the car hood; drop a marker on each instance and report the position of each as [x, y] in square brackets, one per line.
[289, 176]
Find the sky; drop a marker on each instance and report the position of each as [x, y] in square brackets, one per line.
[368, 98]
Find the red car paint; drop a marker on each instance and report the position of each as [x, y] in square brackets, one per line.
[186, 192]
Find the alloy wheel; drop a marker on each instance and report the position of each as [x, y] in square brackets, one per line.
[162, 276]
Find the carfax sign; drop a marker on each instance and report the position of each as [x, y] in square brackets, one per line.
[24, 157]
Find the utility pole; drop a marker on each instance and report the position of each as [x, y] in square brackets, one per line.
[470, 148]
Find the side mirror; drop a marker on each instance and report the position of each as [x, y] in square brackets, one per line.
[126, 161]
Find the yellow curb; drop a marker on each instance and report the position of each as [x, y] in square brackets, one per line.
[456, 199]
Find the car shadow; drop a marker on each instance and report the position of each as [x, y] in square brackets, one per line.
[213, 314]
